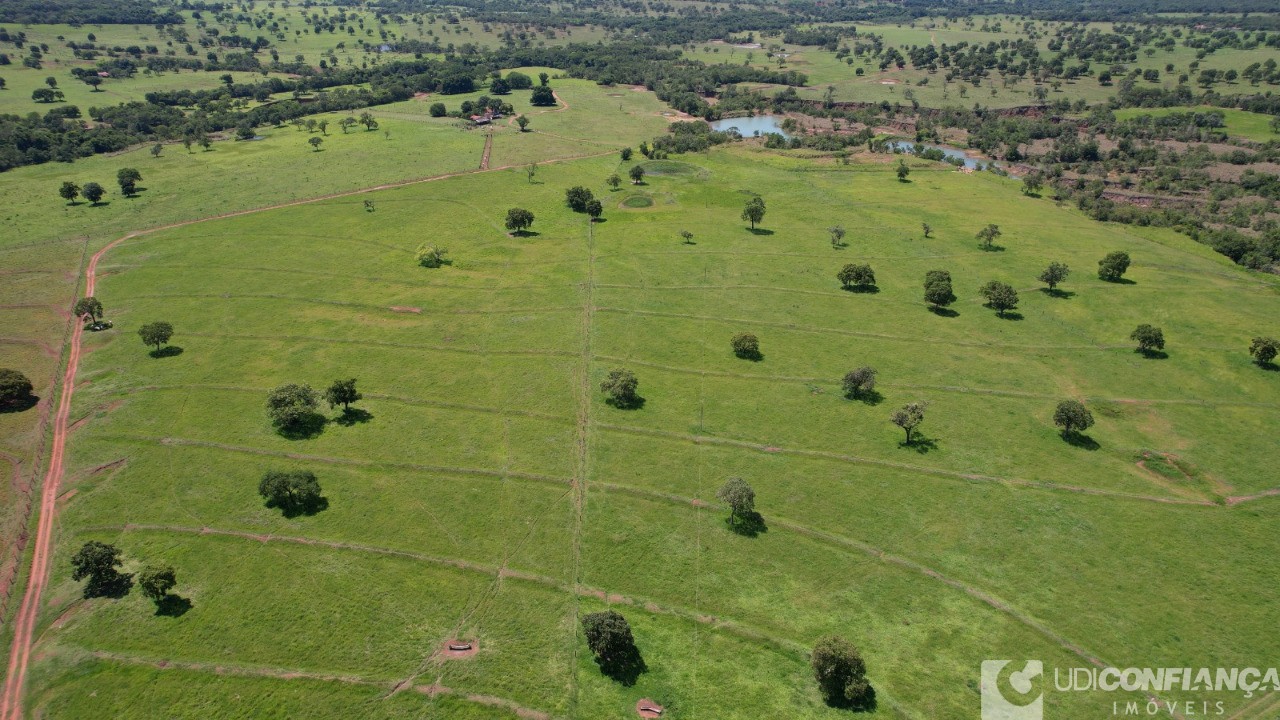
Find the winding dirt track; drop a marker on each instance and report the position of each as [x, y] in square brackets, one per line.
[28, 612]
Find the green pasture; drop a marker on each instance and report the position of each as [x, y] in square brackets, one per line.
[1239, 123]
[490, 493]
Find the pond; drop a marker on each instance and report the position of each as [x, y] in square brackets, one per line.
[970, 161]
[750, 126]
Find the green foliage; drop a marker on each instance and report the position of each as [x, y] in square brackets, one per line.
[342, 392]
[738, 495]
[745, 345]
[294, 492]
[1055, 273]
[625, 153]
[1149, 338]
[937, 289]
[620, 386]
[156, 581]
[542, 97]
[523, 122]
[841, 673]
[1000, 297]
[837, 237]
[291, 406]
[156, 333]
[1112, 267]
[613, 181]
[69, 191]
[519, 220]
[99, 562]
[987, 236]
[577, 198]
[909, 417]
[437, 110]
[1264, 350]
[1073, 417]
[609, 639]
[902, 170]
[431, 256]
[595, 209]
[128, 179]
[89, 307]
[636, 173]
[15, 388]
[859, 383]
[753, 212]
[859, 276]
[93, 192]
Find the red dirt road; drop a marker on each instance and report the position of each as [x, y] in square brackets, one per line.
[25, 620]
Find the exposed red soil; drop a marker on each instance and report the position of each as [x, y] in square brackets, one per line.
[647, 708]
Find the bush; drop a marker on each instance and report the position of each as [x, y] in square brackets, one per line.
[861, 276]
[621, 386]
[746, 345]
[291, 406]
[438, 110]
[859, 383]
[1112, 267]
[431, 256]
[841, 673]
[15, 388]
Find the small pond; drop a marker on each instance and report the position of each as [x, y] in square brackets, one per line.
[751, 126]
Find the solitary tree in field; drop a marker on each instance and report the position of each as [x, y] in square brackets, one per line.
[841, 673]
[636, 173]
[754, 211]
[156, 150]
[523, 122]
[1054, 274]
[156, 581]
[625, 154]
[577, 198]
[15, 388]
[324, 127]
[93, 192]
[1150, 339]
[1032, 182]
[937, 289]
[687, 237]
[519, 220]
[613, 181]
[294, 492]
[614, 647]
[156, 333]
[1001, 297]
[89, 307]
[909, 417]
[342, 392]
[1112, 267]
[903, 171]
[1073, 417]
[542, 96]
[741, 499]
[595, 209]
[927, 229]
[431, 256]
[346, 123]
[315, 142]
[837, 235]
[1264, 350]
[69, 191]
[745, 345]
[530, 171]
[620, 388]
[856, 276]
[291, 406]
[987, 236]
[98, 562]
[128, 179]
[859, 383]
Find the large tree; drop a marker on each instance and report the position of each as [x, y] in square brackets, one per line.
[745, 345]
[902, 170]
[98, 562]
[1073, 417]
[156, 581]
[987, 236]
[15, 388]
[620, 386]
[519, 220]
[741, 499]
[1001, 297]
[294, 492]
[342, 392]
[611, 642]
[69, 191]
[937, 289]
[1149, 338]
[291, 406]
[156, 333]
[89, 306]
[93, 192]
[754, 211]
[859, 383]
[128, 179]
[908, 417]
[841, 673]
[1112, 267]
[595, 209]
[577, 198]
[1264, 350]
[1055, 273]
[542, 96]
[856, 276]
[636, 173]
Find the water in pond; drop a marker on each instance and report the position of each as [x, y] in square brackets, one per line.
[970, 162]
[749, 126]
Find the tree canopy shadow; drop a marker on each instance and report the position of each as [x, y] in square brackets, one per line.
[100, 203]
[943, 311]
[992, 248]
[166, 351]
[1152, 354]
[1121, 281]
[21, 404]
[636, 403]
[921, 444]
[525, 233]
[753, 356]
[599, 220]
[861, 289]
[1013, 315]
[305, 506]
[748, 524]
[114, 587]
[1080, 440]
[1269, 366]
[309, 426]
[759, 231]
[866, 703]
[625, 669]
[867, 397]
[172, 606]
[1058, 293]
[352, 416]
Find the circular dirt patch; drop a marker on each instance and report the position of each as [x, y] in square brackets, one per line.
[638, 201]
[455, 649]
[647, 708]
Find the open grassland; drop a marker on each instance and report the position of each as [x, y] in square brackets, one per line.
[1239, 123]
[489, 493]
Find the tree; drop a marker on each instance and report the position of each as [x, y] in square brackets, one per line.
[1149, 338]
[626, 154]
[860, 276]
[937, 289]
[620, 387]
[294, 492]
[909, 417]
[367, 120]
[740, 498]
[69, 191]
[636, 173]
[859, 383]
[523, 122]
[903, 171]
[431, 256]
[595, 209]
[1032, 182]
[498, 86]
[315, 142]
[837, 235]
[988, 235]
[754, 211]
[15, 388]
[577, 198]
[530, 171]
[746, 346]
[687, 237]
[156, 333]
[1054, 274]
[542, 96]
[519, 220]
[1001, 297]
[89, 306]
[46, 95]
[1073, 417]
[613, 181]
[1264, 350]
[128, 179]
[98, 562]
[324, 127]
[93, 192]
[156, 581]
[291, 406]
[347, 122]
[342, 392]
[610, 640]
[156, 150]
[206, 142]
[246, 131]
[927, 229]
[841, 673]
[1112, 267]
[93, 81]
[436, 110]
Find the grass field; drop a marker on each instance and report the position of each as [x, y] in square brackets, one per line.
[1239, 123]
[491, 494]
